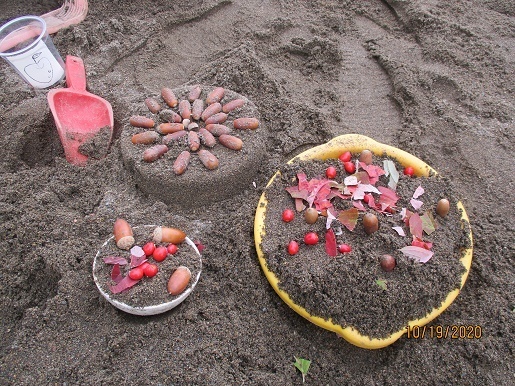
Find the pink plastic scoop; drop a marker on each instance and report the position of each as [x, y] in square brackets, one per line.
[78, 114]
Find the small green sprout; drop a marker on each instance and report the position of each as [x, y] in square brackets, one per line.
[381, 283]
[303, 366]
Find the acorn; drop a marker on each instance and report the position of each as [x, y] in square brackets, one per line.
[387, 262]
[370, 223]
[442, 208]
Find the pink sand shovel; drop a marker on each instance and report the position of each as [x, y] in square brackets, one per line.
[78, 114]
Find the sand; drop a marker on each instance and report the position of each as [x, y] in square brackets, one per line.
[432, 78]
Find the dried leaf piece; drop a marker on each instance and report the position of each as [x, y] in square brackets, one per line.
[418, 192]
[418, 254]
[330, 243]
[416, 204]
[416, 242]
[115, 260]
[428, 222]
[123, 285]
[388, 197]
[399, 231]
[391, 171]
[415, 225]
[349, 218]
[116, 274]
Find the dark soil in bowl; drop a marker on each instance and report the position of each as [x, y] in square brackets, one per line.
[149, 291]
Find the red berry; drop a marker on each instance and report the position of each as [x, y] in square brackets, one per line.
[367, 197]
[330, 172]
[293, 247]
[288, 215]
[409, 171]
[160, 254]
[311, 238]
[143, 265]
[149, 248]
[344, 248]
[349, 167]
[345, 157]
[172, 249]
[136, 273]
[150, 270]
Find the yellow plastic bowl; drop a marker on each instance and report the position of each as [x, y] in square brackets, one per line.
[355, 143]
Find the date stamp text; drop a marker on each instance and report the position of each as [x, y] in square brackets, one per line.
[445, 332]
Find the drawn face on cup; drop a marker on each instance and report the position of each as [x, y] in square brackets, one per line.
[41, 70]
[26, 46]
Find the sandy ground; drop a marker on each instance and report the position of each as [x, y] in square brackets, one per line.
[434, 78]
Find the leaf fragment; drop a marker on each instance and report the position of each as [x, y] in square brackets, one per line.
[115, 260]
[123, 285]
[349, 218]
[418, 254]
[418, 192]
[330, 243]
[428, 222]
[399, 230]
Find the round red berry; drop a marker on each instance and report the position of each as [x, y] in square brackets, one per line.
[150, 270]
[293, 247]
[409, 171]
[344, 248]
[160, 254]
[288, 215]
[349, 167]
[149, 248]
[136, 273]
[330, 172]
[143, 265]
[345, 157]
[311, 238]
[172, 249]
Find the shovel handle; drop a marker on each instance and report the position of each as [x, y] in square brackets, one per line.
[75, 73]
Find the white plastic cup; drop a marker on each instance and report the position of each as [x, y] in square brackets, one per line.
[26, 46]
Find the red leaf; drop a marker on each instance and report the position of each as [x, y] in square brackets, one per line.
[359, 205]
[116, 274]
[199, 246]
[124, 284]
[421, 243]
[349, 218]
[330, 243]
[421, 255]
[115, 260]
[415, 225]
[387, 197]
[374, 172]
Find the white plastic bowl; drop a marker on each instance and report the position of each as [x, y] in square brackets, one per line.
[147, 310]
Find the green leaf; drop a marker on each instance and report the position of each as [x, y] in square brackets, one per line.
[303, 366]
[381, 283]
[428, 222]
